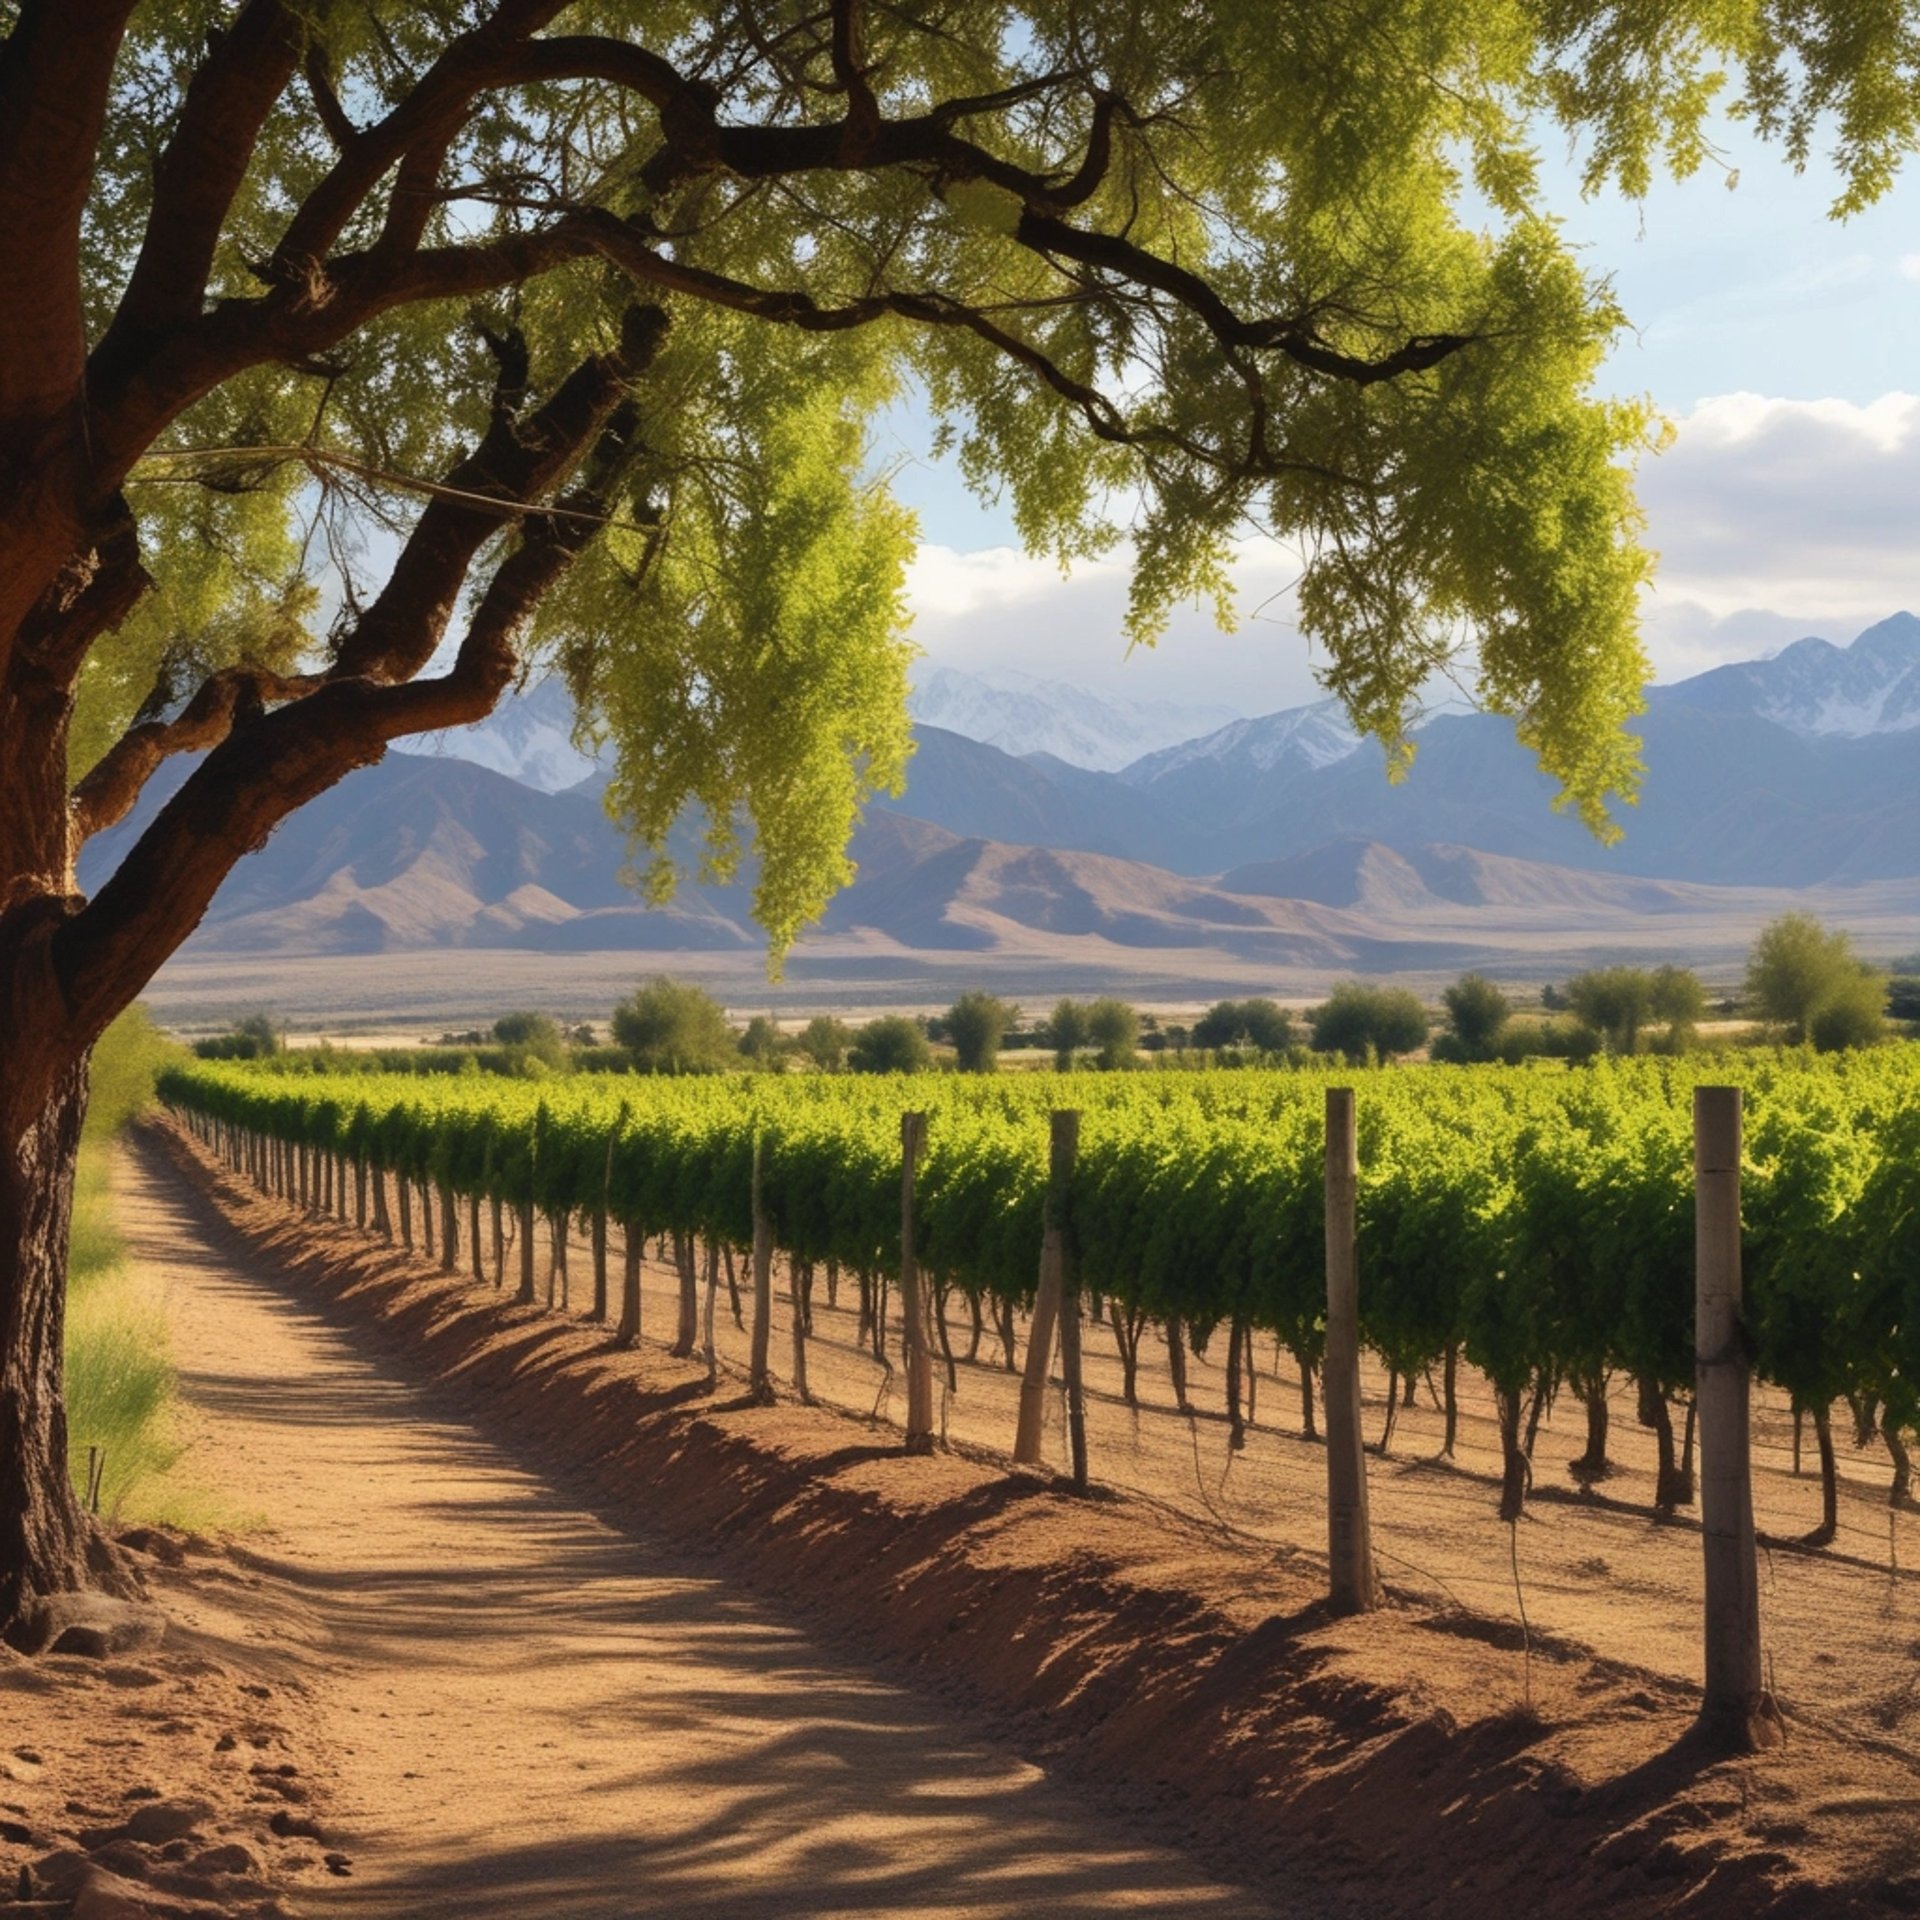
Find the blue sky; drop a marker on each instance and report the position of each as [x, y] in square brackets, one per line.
[1782, 343]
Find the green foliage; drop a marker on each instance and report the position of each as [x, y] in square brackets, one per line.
[1617, 1003]
[891, 1044]
[669, 1026]
[1543, 1221]
[254, 1038]
[825, 1040]
[1113, 1031]
[1807, 979]
[127, 1062]
[762, 1043]
[1355, 325]
[1067, 1032]
[1258, 1026]
[976, 1024]
[1477, 1015]
[1359, 1021]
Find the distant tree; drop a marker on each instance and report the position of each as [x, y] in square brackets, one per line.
[891, 1044]
[1548, 1040]
[1615, 1002]
[825, 1040]
[1477, 1014]
[976, 1024]
[669, 1026]
[1553, 998]
[254, 1038]
[1357, 1020]
[1261, 1026]
[1113, 1030]
[1679, 1002]
[763, 1044]
[1853, 1015]
[1800, 970]
[1067, 1033]
[531, 1036]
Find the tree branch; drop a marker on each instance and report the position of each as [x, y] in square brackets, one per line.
[107, 794]
[201, 168]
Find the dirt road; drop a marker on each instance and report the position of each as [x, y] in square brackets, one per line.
[534, 1713]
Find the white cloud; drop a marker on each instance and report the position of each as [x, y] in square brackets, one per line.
[1909, 266]
[1773, 518]
[1778, 518]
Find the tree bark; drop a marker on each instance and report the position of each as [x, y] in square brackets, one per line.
[1449, 1387]
[46, 1541]
[1901, 1493]
[1593, 1464]
[1655, 1413]
[1177, 1363]
[634, 1245]
[1518, 1471]
[687, 1330]
[1822, 1535]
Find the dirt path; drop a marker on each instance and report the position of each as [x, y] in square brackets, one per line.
[532, 1712]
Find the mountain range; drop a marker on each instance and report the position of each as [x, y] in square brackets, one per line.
[1274, 842]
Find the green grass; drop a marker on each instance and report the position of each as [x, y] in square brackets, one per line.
[120, 1380]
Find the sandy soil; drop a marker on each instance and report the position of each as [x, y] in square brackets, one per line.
[529, 1710]
[1842, 1626]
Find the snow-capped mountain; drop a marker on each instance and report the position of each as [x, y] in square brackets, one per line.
[1021, 714]
[528, 737]
[1310, 737]
[1814, 687]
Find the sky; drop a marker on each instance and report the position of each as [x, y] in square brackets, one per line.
[1783, 346]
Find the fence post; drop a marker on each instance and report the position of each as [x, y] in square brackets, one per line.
[1352, 1586]
[760, 1374]
[913, 1301]
[1737, 1709]
[1046, 1300]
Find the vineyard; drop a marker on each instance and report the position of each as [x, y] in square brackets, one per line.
[1535, 1227]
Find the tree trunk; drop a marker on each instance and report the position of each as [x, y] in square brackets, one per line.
[977, 1331]
[44, 1537]
[760, 1370]
[1393, 1405]
[1593, 1464]
[449, 1238]
[1822, 1535]
[707, 1349]
[1126, 1336]
[687, 1330]
[599, 1313]
[1449, 1386]
[634, 1246]
[1177, 1363]
[1003, 1321]
[733, 1290]
[499, 1240]
[1236, 1361]
[1655, 1413]
[474, 1257]
[1519, 1471]
[1901, 1494]
[406, 1211]
[526, 1296]
[1683, 1484]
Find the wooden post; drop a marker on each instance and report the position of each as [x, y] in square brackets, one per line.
[760, 1373]
[913, 1302]
[1737, 1710]
[1047, 1298]
[1352, 1586]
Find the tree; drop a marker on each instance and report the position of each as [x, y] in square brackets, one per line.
[1809, 981]
[1113, 1031]
[976, 1024]
[763, 1044]
[531, 1036]
[1477, 1015]
[891, 1044]
[585, 308]
[669, 1026]
[1614, 1002]
[1260, 1026]
[1067, 1033]
[254, 1038]
[825, 1040]
[1358, 1020]
[1677, 998]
